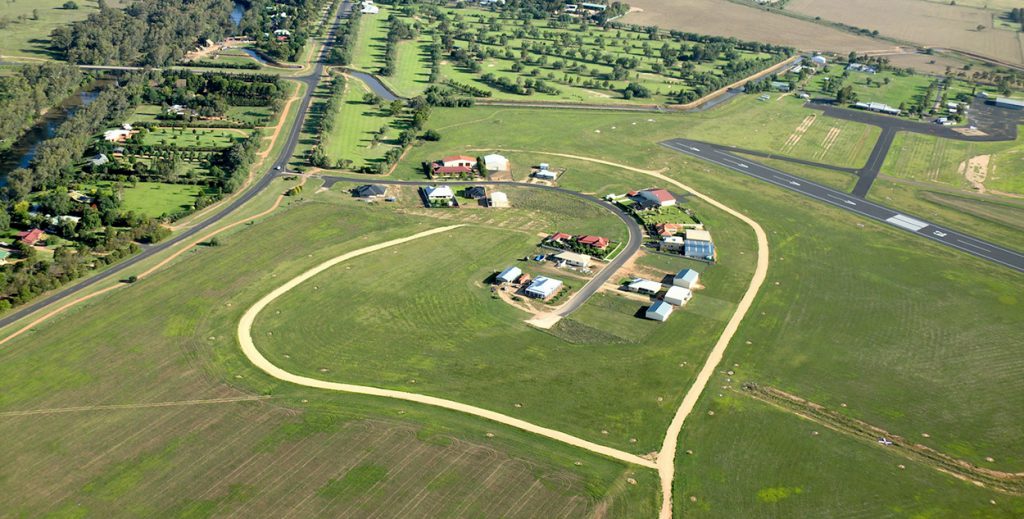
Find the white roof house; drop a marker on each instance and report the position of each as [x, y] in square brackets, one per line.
[495, 162]
[686, 278]
[499, 199]
[678, 296]
[546, 174]
[672, 243]
[543, 287]
[644, 286]
[439, 192]
[659, 311]
[574, 259]
[117, 135]
[369, 8]
[509, 275]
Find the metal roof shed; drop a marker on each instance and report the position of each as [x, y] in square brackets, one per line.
[659, 311]
[678, 296]
[509, 275]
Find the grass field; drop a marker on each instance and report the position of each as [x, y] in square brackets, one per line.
[994, 166]
[908, 89]
[352, 137]
[31, 38]
[305, 452]
[193, 137]
[450, 338]
[368, 53]
[155, 199]
[925, 23]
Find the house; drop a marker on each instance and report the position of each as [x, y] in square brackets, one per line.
[686, 278]
[677, 296]
[508, 275]
[543, 166]
[498, 199]
[819, 60]
[878, 107]
[597, 242]
[1012, 104]
[451, 171]
[118, 135]
[99, 160]
[659, 311]
[369, 8]
[559, 238]
[668, 229]
[80, 197]
[370, 191]
[655, 198]
[543, 287]
[440, 193]
[574, 259]
[644, 286]
[781, 86]
[545, 174]
[474, 192]
[495, 162]
[176, 110]
[282, 32]
[31, 237]
[672, 243]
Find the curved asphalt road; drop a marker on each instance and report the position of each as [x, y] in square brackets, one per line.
[849, 202]
[310, 81]
[633, 243]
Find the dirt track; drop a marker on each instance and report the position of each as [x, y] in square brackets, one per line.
[254, 356]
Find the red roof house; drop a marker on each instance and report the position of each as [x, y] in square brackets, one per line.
[451, 171]
[31, 237]
[559, 237]
[657, 197]
[598, 242]
[669, 229]
[458, 160]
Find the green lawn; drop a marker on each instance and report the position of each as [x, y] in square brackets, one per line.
[30, 38]
[153, 199]
[900, 89]
[193, 137]
[368, 53]
[412, 69]
[340, 453]
[352, 137]
[930, 159]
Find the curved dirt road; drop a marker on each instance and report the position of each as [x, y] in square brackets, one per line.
[667, 454]
[254, 356]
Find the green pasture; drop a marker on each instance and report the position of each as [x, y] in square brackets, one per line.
[24, 36]
[930, 159]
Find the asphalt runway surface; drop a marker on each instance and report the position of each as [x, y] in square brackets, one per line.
[912, 224]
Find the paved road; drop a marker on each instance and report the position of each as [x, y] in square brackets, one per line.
[264, 181]
[914, 225]
[998, 124]
[633, 243]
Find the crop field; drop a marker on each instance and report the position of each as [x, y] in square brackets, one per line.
[218, 451]
[996, 167]
[450, 338]
[355, 134]
[925, 23]
[579, 64]
[746, 23]
[24, 36]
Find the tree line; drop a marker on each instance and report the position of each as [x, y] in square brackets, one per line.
[31, 89]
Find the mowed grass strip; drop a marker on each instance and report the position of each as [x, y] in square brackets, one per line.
[355, 126]
[944, 161]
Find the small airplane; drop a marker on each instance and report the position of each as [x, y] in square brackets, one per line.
[884, 441]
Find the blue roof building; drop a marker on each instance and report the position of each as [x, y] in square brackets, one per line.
[659, 311]
[699, 249]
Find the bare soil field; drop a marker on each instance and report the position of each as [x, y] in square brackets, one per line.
[723, 18]
[926, 23]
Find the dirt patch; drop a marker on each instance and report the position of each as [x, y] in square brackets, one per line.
[830, 139]
[798, 133]
[975, 170]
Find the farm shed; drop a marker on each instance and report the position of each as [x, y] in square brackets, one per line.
[678, 296]
[644, 286]
[545, 174]
[495, 162]
[686, 278]
[499, 199]
[659, 311]
[698, 235]
[1013, 104]
[704, 250]
[509, 275]
[543, 287]
[574, 259]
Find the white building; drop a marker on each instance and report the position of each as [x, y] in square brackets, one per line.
[543, 287]
[509, 275]
[672, 243]
[644, 286]
[574, 259]
[659, 311]
[686, 278]
[545, 174]
[369, 8]
[441, 192]
[678, 296]
[495, 162]
[499, 199]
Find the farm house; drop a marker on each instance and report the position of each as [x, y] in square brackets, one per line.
[543, 287]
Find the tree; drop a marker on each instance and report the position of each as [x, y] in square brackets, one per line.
[431, 135]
